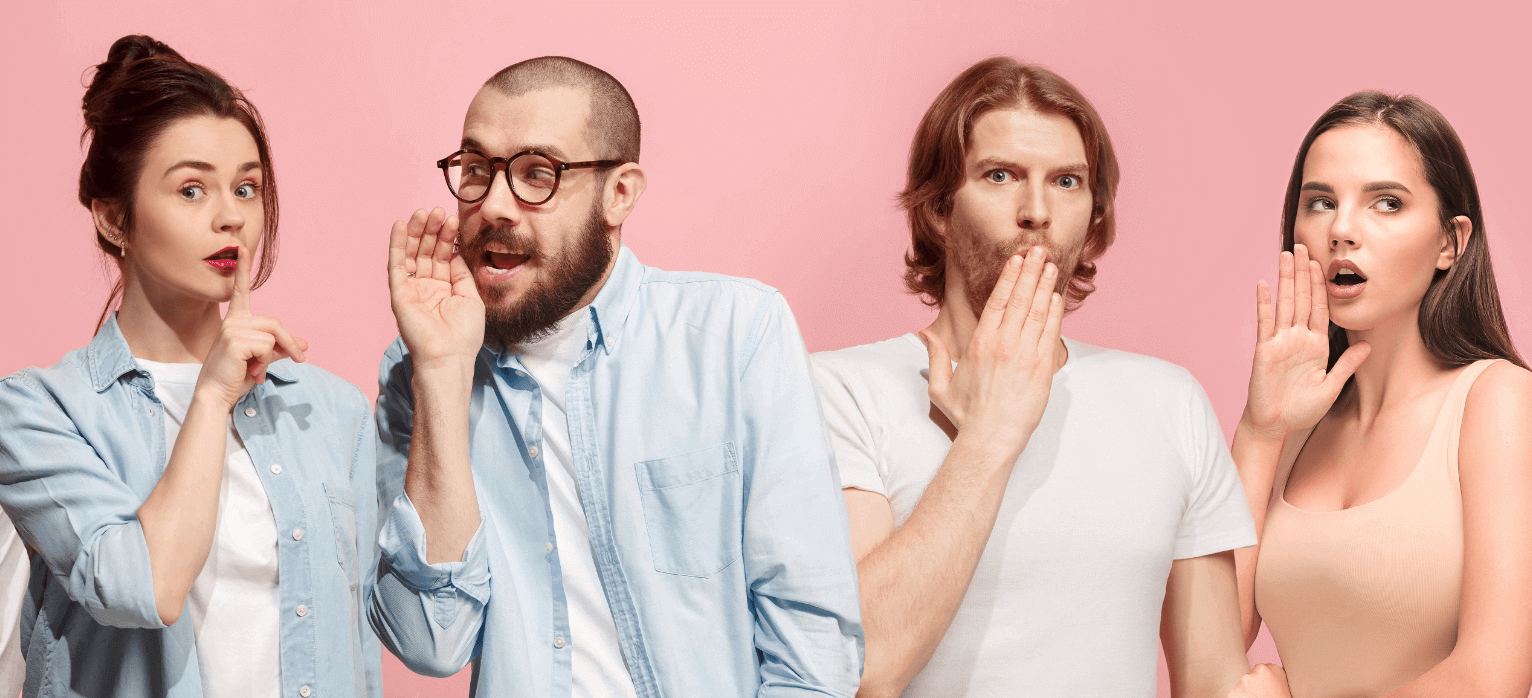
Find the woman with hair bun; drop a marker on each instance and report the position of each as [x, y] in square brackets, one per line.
[200, 501]
[1384, 446]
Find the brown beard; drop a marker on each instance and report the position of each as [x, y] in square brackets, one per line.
[566, 279]
[982, 260]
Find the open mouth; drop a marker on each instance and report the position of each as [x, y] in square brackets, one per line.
[225, 259]
[1345, 280]
[501, 262]
[1347, 277]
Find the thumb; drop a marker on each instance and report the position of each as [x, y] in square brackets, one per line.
[940, 361]
[1346, 365]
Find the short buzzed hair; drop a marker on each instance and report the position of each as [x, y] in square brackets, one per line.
[613, 129]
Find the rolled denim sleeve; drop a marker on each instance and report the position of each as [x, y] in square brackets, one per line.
[429, 616]
[69, 506]
[797, 546]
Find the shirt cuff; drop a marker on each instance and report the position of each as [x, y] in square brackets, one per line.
[402, 544]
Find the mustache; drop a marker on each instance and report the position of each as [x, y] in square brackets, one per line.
[517, 240]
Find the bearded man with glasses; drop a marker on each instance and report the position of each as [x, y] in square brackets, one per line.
[588, 493]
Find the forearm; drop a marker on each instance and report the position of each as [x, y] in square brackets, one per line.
[1199, 628]
[1257, 457]
[913, 582]
[439, 479]
[181, 513]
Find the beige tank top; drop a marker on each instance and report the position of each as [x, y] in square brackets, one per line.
[1363, 600]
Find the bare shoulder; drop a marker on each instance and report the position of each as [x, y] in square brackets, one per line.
[1502, 394]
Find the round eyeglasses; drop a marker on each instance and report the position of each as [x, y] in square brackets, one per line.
[534, 177]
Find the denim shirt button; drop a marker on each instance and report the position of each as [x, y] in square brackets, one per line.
[532, 451]
[550, 547]
[297, 534]
[249, 411]
[302, 610]
[559, 642]
[276, 470]
[305, 691]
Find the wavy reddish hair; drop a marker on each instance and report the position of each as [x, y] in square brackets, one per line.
[937, 155]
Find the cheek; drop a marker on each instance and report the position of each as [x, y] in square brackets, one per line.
[1311, 236]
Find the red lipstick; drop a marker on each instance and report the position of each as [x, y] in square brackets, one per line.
[225, 259]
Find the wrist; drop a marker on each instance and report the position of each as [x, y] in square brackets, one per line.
[1249, 434]
[989, 448]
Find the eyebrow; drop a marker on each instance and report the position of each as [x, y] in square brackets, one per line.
[208, 167]
[1386, 186]
[1078, 169]
[1373, 186]
[544, 148]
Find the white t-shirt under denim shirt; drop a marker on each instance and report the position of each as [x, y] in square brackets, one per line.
[597, 668]
[235, 601]
[1126, 472]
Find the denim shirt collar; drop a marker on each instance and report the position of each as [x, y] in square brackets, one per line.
[109, 359]
[608, 312]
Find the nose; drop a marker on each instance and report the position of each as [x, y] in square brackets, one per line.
[1033, 213]
[1343, 229]
[500, 203]
[230, 216]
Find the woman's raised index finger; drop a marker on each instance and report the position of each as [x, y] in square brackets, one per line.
[239, 304]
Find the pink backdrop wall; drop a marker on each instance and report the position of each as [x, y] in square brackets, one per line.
[775, 137]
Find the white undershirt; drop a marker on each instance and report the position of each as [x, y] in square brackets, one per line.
[15, 570]
[235, 601]
[597, 666]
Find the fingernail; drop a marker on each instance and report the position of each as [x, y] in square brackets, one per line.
[1050, 270]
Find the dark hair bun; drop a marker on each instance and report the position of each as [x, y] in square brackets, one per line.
[124, 53]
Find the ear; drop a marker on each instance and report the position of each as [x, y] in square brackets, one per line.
[1449, 254]
[108, 222]
[623, 187]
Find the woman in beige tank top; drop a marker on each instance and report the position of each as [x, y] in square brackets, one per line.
[1386, 455]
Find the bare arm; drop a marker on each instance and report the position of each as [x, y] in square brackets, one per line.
[912, 579]
[180, 514]
[1290, 390]
[1199, 627]
[1495, 613]
[441, 320]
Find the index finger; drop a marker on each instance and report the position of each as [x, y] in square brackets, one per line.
[239, 305]
[994, 309]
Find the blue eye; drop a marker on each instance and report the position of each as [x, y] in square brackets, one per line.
[1069, 182]
[998, 176]
[191, 192]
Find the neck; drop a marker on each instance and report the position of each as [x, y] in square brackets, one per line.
[1400, 366]
[166, 327]
[955, 324]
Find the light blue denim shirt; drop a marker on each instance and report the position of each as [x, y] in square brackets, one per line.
[706, 475]
[82, 444]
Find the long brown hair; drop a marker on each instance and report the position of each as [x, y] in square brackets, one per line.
[1460, 317]
[936, 165]
[141, 88]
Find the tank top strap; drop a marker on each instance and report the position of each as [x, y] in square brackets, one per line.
[1453, 407]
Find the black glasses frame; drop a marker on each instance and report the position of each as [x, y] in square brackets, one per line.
[497, 165]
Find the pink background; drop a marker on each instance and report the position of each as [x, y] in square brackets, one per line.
[775, 138]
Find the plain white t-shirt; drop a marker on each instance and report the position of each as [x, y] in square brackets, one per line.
[596, 667]
[1126, 472]
[234, 601]
[15, 571]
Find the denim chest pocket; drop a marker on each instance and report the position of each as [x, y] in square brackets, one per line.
[692, 504]
[343, 516]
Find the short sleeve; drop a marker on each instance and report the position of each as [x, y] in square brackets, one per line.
[850, 435]
[1217, 517]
